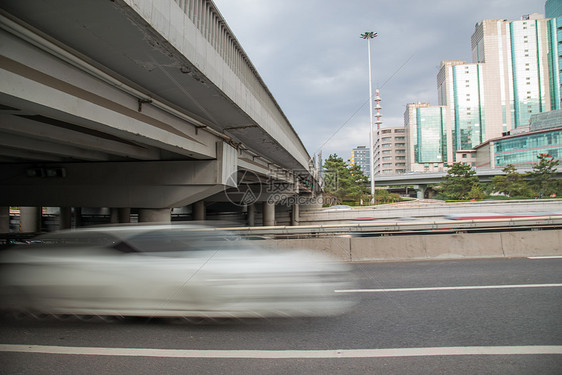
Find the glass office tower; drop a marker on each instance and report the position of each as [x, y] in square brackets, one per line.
[361, 156]
[553, 10]
[426, 136]
[460, 89]
[515, 63]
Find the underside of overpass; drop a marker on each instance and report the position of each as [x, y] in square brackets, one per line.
[104, 106]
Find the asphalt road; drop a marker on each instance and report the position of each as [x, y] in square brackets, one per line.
[493, 316]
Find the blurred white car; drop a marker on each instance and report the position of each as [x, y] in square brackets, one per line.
[168, 271]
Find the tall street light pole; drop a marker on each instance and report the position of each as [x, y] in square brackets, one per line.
[368, 35]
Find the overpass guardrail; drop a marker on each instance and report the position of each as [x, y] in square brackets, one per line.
[386, 228]
[389, 228]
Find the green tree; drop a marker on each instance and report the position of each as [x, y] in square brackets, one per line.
[359, 188]
[543, 177]
[343, 181]
[384, 196]
[459, 181]
[477, 192]
[512, 184]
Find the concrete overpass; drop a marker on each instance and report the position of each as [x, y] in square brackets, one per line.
[421, 180]
[138, 104]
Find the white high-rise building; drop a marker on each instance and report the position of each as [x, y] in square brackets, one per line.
[390, 148]
[514, 75]
[516, 71]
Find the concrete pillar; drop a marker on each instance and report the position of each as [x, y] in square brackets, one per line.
[4, 219]
[198, 211]
[77, 217]
[251, 215]
[120, 215]
[155, 215]
[30, 219]
[124, 215]
[420, 191]
[65, 218]
[295, 215]
[268, 214]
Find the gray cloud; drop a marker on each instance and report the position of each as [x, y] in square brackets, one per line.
[312, 59]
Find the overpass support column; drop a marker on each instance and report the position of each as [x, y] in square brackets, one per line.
[268, 214]
[65, 218]
[251, 215]
[4, 219]
[199, 213]
[30, 219]
[420, 191]
[155, 215]
[295, 214]
[120, 215]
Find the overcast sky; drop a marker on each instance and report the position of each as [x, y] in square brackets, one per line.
[310, 55]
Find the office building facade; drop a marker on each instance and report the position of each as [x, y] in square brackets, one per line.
[521, 150]
[361, 156]
[515, 57]
[390, 150]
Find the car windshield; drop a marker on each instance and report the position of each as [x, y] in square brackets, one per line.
[182, 240]
[73, 239]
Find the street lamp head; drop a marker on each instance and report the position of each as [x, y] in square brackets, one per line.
[369, 35]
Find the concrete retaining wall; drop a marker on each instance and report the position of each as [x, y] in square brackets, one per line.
[436, 246]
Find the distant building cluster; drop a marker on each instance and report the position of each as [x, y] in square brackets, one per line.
[503, 108]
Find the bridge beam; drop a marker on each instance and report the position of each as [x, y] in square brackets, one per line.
[155, 184]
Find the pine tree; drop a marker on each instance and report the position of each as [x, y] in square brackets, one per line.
[459, 181]
[543, 177]
[343, 181]
[512, 184]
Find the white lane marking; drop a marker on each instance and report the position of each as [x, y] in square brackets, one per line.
[547, 257]
[281, 354]
[448, 288]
